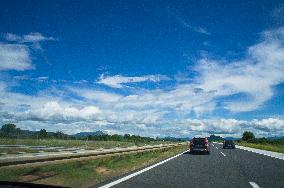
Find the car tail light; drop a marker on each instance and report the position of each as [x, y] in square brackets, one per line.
[206, 144]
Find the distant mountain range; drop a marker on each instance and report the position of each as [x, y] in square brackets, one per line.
[85, 134]
[210, 138]
[232, 138]
[276, 138]
[214, 137]
[168, 138]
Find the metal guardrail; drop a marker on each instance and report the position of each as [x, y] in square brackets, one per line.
[66, 156]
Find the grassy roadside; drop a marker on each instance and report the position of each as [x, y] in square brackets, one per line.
[269, 147]
[86, 173]
[73, 143]
[21, 150]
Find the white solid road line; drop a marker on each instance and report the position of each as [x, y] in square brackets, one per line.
[223, 154]
[263, 152]
[139, 172]
[253, 184]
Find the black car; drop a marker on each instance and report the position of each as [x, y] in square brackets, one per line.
[229, 144]
[199, 145]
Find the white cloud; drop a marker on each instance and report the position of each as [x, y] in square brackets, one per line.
[43, 107]
[201, 30]
[25, 77]
[118, 81]
[186, 24]
[182, 99]
[41, 78]
[29, 38]
[12, 37]
[55, 113]
[254, 76]
[52, 110]
[80, 82]
[233, 127]
[160, 112]
[97, 95]
[15, 57]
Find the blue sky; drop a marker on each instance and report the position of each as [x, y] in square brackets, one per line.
[154, 68]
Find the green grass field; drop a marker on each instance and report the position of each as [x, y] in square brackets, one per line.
[73, 143]
[270, 147]
[86, 173]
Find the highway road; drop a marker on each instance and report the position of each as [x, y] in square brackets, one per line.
[222, 168]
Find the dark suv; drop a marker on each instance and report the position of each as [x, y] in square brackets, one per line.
[229, 144]
[199, 145]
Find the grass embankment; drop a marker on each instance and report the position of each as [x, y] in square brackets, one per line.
[264, 146]
[73, 143]
[86, 173]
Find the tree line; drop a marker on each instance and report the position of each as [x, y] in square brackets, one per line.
[250, 138]
[11, 131]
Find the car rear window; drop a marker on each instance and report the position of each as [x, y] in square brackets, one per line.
[198, 141]
[229, 142]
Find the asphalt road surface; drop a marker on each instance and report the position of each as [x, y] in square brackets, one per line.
[222, 168]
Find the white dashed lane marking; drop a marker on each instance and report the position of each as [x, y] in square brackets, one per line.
[253, 184]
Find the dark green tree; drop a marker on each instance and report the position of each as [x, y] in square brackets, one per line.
[9, 129]
[248, 136]
[42, 133]
[127, 136]
[59, 135]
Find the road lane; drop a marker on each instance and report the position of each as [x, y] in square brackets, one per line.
[233, 168]
[191, 171]
[263, 170]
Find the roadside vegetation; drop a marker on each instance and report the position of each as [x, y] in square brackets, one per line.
[11, 135]
[249, 140]
[68, 143]
[11, 131]
[86, 173]
[4, 151]
[264, 146]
